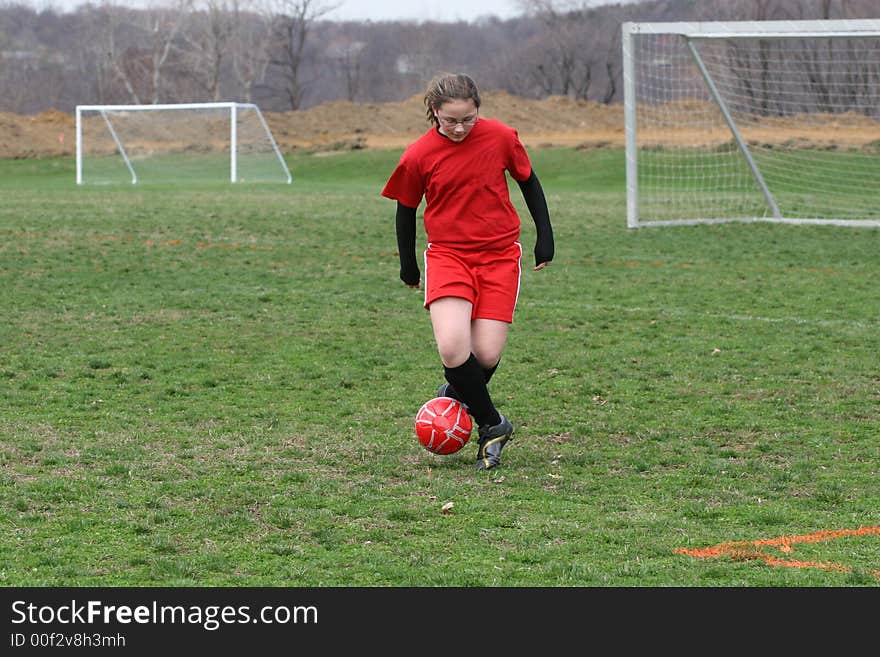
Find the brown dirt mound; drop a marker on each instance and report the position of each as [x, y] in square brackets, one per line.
[44, 135]
[342, 125]
[554, 121]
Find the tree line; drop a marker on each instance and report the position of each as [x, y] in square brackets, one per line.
[286, 55]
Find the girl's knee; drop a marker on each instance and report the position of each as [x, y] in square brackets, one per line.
[487, 359]
[454, 353]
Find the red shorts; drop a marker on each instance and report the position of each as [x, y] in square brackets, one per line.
[488, 279]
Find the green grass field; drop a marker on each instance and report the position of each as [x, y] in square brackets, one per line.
[216, 385]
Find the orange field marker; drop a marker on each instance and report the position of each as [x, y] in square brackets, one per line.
[749, 550]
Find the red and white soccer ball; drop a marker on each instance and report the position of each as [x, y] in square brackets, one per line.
[443, 425]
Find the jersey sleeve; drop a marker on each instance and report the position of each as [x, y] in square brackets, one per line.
[405, 184]
[520, 166]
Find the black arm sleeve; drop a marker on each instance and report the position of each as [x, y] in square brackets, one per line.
[406, 244]
[533, 193]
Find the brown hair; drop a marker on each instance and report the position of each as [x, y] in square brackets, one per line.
[449, 86]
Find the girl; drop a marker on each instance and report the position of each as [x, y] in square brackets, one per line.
[472, 259]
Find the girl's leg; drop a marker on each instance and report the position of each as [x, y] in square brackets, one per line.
[487, 342]
[451, 320]
[488, 337]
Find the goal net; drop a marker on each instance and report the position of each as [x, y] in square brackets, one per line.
[752, 121]
[198, 142]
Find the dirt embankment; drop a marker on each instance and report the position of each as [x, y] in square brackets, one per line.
[341, 125]
[554, 121]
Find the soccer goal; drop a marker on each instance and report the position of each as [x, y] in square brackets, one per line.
[196, 142]
[752, 121]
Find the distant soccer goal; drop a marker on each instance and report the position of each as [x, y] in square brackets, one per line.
[197, 142]
[752, 121]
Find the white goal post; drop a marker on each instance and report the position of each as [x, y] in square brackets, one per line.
[773, 121]
[184, 142]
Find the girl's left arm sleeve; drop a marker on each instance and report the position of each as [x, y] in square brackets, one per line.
[405, 222]
[533, 194]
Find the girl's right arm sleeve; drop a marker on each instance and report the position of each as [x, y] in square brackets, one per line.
[537, 204]
[406, 244]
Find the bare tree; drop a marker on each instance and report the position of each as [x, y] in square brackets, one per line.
[285, 54]
[118, 58]
[14, 77]
[560, 62]
[380, 77]
[613, 67]
[251, 28]
[150, 37]
[88, 53]
[165, 25]
[291, 25]
[347, 54]
[207, 41]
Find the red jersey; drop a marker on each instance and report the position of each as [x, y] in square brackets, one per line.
[464, 185]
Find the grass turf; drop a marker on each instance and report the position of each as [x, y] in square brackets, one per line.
[215, 385]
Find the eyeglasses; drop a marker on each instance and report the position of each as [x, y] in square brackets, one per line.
[449, 122]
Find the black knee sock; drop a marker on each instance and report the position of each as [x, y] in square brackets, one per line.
[469, 381]
[489, 371]
[487, 374]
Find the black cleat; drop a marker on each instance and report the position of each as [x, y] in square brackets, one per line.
[492, 441]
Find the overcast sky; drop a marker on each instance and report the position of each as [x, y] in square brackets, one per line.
[435, 10]
[358, 10]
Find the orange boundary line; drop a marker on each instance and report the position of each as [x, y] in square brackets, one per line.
[747, 550]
